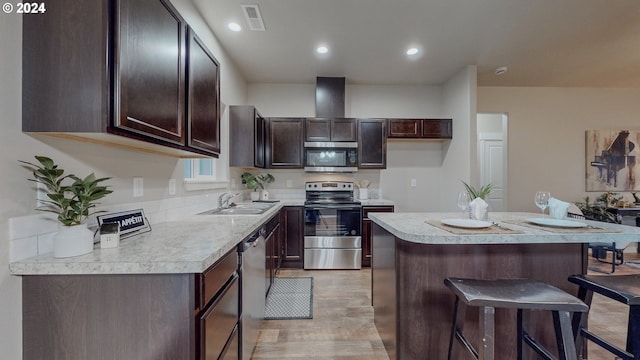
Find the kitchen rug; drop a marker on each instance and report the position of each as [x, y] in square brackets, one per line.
[290, 298]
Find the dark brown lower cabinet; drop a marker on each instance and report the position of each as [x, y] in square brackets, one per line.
[292, 225]
[366, 231]
[273, 252]
[132, 316]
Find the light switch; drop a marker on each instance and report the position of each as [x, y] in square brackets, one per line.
[413, 182]
[289, 183]
[172, 186]
[138, 187]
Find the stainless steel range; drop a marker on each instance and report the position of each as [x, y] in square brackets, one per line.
[332, 226]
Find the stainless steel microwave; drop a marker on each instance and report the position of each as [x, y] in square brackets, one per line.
[331, 157]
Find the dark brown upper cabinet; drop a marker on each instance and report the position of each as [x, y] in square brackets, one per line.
[317, 129]
[246, 137]
[150, 70]
[203, 110]
[420, 129]
[116, 74]
[372, 143]
[285, 146]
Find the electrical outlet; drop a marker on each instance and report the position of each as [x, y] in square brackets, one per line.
[138, 187]
[172, 186]
[289, 184]
[233, 183]
[413, 182]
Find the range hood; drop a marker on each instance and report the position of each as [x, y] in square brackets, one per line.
[330, 104]
[330, 97]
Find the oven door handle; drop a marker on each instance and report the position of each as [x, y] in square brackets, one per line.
[339, 207]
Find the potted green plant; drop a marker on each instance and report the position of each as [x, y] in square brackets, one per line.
[478, 211]
[257, 183]
[73, 200]
[482, 192]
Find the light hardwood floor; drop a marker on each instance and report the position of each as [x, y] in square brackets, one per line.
[342, 327]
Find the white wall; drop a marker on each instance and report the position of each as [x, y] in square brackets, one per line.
[16, 193]
[547, 135]
[459, 158]
[422, 161]
[13, 192]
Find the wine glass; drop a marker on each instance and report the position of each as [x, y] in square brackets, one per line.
[463, 201]
[542, 200]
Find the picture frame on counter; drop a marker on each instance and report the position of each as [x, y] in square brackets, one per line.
[131, 222]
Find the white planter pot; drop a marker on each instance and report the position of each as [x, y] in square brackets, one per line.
[255, 195]
[264, 195]
[364, 194]
[72, 241]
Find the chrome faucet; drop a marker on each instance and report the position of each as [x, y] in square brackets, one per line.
[225, 198]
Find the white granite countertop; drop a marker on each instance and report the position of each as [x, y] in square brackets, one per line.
[189, 245]
[414, 228]
[377, 202]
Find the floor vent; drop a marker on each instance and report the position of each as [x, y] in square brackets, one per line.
[253, 17]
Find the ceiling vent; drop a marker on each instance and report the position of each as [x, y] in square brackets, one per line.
[253, 17]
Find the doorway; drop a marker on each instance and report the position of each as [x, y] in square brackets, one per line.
[492, 156]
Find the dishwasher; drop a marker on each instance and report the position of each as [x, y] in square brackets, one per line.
[252, 265]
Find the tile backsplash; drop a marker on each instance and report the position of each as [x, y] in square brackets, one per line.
[32, 235]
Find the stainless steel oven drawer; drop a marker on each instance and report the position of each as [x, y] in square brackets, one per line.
[332, 242]
[332, 259]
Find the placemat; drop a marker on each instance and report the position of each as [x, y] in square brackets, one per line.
[588, 229]
[493, 229]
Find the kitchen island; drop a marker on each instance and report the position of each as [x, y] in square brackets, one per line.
[414, 252]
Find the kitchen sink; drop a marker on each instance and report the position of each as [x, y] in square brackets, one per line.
[241, 209]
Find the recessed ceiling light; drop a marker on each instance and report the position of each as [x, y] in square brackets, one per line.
[412, 51]
[234, 26]
[322, 49]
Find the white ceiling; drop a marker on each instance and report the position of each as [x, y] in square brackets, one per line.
[576, 43]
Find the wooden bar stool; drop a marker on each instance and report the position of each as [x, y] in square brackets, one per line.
[521, 294]
[622, 288]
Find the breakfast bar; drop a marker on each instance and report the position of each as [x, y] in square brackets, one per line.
[414, 252]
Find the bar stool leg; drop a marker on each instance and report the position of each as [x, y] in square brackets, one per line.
[564, 335]
[580, 321]
[459, 311]
[523, 322]
[633, 331]
[487, 333]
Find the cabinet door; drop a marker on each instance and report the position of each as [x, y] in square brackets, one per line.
[219, 321]
[437, 128]
[292, 225]
[273, 256]
[246, 123]
[259, 141]
[203, 111]
[344, 130]
[372, 143]
[366, 231]
[317, 130]
[285, 143]
[150, 70]
[405, 128]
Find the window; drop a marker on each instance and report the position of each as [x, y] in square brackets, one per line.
[205, 173]
[199, 169]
